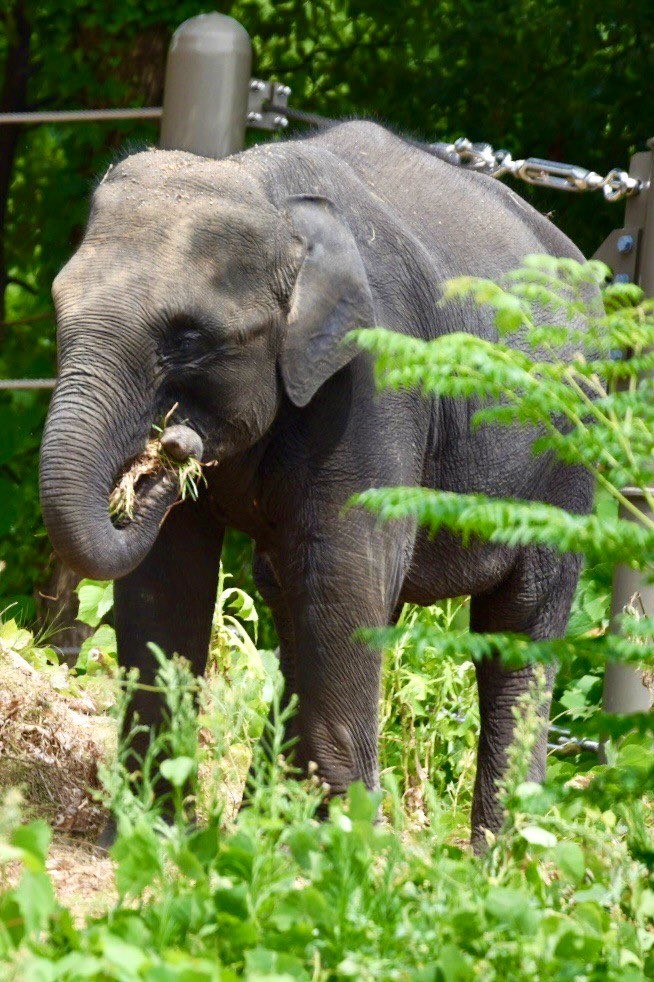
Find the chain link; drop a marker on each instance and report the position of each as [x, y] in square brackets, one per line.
[545, 173]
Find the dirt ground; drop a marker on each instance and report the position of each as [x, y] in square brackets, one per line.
[53, 737]
[83, 877]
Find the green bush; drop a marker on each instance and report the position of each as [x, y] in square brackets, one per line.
[565, 892]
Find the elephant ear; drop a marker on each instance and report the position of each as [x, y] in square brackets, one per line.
[330, 297]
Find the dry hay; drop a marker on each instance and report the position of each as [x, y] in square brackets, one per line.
[83, 877]
[51, 745]
[153, 461]
[122, 500]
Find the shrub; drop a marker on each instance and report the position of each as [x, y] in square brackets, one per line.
[566, 892]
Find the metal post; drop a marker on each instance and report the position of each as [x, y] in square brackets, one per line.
[630, 253]
[206, 90]
[624, 688]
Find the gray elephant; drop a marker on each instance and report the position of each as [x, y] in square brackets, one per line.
[226, 288]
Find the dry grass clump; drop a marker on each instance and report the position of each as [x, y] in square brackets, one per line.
[153, 461]
[51, 745]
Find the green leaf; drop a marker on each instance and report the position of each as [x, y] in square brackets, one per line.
[99, 652]
[241, 603]
[127, 959]
[454, 965]
[510, 906]
[569, 857]
[138, 857]
[34, 839]
[96, 599]
[36, 899]
[536, 836]
[273, 966]
[177, 770]
[363, 804]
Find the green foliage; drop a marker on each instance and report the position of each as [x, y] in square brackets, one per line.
[567, 891]
[515, 523]
[276, 894]
[554, 377]
[270, 892]
[17, 641]
[429, 720]
[96, 598]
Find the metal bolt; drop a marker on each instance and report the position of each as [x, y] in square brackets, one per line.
[256, 85]
[281, 122]
[622, 278]
[253, 117]
[285, 90]
[625, 244]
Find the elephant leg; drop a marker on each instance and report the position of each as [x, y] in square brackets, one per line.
[535, 601]
[169, 600]
[337, 588]
[269, 587]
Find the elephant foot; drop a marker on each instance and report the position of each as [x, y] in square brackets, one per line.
[107, 836]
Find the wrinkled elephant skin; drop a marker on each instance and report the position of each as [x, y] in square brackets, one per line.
[225, 289]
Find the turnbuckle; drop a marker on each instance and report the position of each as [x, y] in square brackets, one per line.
[545, 173]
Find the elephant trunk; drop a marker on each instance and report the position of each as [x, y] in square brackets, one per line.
[90, 436]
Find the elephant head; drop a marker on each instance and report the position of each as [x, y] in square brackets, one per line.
[190, 289]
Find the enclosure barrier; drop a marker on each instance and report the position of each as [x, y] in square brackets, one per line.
[629, 251]
[210, 100]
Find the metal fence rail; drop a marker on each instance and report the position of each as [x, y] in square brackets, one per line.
[12, 384]
[78, 116]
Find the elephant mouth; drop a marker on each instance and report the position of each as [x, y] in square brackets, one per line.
[169, 466]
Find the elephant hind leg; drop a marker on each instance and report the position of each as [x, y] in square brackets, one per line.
[535, 600]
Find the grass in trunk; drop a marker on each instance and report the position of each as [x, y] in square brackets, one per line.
[123, 500]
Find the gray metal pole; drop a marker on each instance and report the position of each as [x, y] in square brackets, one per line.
[624, 687]
[206, 90]
[630, 253]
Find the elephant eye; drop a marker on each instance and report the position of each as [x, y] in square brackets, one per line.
[189, 339]
[184, 339]
[181, 328]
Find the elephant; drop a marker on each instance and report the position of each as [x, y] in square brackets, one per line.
[227, 289]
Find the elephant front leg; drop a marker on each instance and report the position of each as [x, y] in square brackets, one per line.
[338, 589]
[169, 600]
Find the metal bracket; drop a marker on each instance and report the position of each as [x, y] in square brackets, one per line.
[623, 249]
[620, 250]
[260, 97]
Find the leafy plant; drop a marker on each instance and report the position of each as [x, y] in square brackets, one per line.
[276, 893]
[585, 406]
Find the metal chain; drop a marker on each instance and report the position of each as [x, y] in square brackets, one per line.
[272, 114]
[545, 173]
